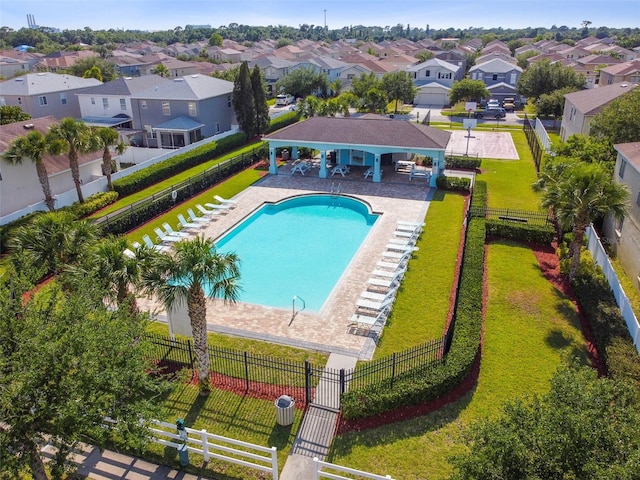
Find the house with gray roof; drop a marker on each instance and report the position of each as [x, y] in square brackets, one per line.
[435, 70]
[182, 111]
[44, 94]
[109, 104]
[496, 71]
[273, 69]
[580, 107]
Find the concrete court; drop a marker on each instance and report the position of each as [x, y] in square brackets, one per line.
[483, 144]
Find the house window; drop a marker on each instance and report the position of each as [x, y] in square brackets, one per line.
[427, 73]
[193, 111]
[166, 108]
[229, 101]
[63, 98]
[105, 103]
[513, 79]
[42, 100]
[123, 104]
[623, 166]
[415, 74]
[93, 101]
[143, 104]
[572, 114]
[19, 101]
[494, 76]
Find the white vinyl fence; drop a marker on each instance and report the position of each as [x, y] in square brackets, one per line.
[601, 258]
[319, 466]
[543, 135]
[100, 183]
[221, 448]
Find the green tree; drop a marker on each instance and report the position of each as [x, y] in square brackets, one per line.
[12, 114]
[398, 86]
[243, 101]
[93, 72]
[585, 428]
[545, 77]
[552, 104]
[35, 146]
[67, 363]
[365, 82]
[106, 138]
[162, 71]
[77, 139]
[586, 149]
[193, 272]
[261, 107]
[107, 69]
[336, 87]
[54, 240]
[468, 90]
[303, 82]
[618, 121]
[215, 40]
[523, 58]
[424, 55]
[579, 193]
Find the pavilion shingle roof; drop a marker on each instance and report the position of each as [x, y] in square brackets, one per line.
[370, 130]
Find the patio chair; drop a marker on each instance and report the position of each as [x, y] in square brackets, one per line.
[136, 245]
[402, 248]
[407, 242]
[376, 306]
[182, 223]
[379, 296]
[160, 248]
[362, 320]
[172, 232]
[195, 218]
[163, 237]
[218, 208]
[225, 201]
[128, 253]
[383, 283]
[396, 255]
[204, 211]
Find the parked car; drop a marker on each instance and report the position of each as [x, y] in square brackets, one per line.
[284, 100]
[493, 103]
[509, 104]
[491, 113]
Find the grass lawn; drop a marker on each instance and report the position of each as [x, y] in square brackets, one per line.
[528, 329]
[420, 311]
[160, 186]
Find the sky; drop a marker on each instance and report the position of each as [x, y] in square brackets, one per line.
[168, 14]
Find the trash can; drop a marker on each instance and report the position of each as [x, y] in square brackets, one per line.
[284, 410]
[183, 453]
[285, 155]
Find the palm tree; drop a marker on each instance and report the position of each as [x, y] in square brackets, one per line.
[162, 71]
[579, 193]
[77, 140]
[106, 138]
[34, 145]
[184, 276]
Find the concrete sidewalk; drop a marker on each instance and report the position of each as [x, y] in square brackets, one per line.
[108, 465]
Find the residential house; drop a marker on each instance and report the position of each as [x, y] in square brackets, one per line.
[623, 236]
[496, 71]
[496, 55]
[109, 104]
[180, 112]
[176, 68]
[456, 57]
[20, 187]
[43, 94]
[591, 65]
[273, 69]
[621, 72]
[60, 61]
[435, 70]
[11, 66]
[580, 107]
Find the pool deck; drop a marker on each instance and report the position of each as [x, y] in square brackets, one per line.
[329, 330]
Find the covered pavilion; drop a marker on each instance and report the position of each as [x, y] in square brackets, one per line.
[366, 141]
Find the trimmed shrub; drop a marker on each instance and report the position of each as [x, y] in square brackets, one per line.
[435, 381]
[456, 184]
[174, 165]
[92, 204]
[479, 194]
[463, 163]
[522, 232]
[284, 120]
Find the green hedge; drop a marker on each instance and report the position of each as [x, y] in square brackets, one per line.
[456, 184]
[610, 331]
[522, 232]
[284, 120]
[463, 163]
[457, 364]
[174, 165]
[479, 196]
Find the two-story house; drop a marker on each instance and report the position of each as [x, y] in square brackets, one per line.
[499, 76]
[580, 107]
[109, 104]
[273, 69]
[621, 72]
[623, 236]
[183, 111]
[435, 70]
[44, 94]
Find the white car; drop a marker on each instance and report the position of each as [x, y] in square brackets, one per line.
[493, 103]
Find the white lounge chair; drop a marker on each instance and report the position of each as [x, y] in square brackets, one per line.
[383, 283]
[172, 232]
[402, 248]
[379, 296]
[225, 201]
[195, 218]
[404, 223]
[218, 208]
[392, 265]
[182, 223]
[407, 242]
[160, 248]
[396, 255]
[208, 213]
[388, 273]
[128, 253]
[362, 320]
[136, 245]
[373, 305]
[163, 237]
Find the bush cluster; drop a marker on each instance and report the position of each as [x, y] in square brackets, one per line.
[438, 380]
[521, 232]
[92, 204]
[456, 184]
[284, 120]
[610, 331]
[479, 195]
[462, 163]
[174, 165]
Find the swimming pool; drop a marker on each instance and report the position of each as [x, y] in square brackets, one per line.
[300, 247]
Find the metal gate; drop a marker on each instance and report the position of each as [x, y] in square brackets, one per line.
[324, 386]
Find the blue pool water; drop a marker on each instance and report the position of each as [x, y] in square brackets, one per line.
[298, 247]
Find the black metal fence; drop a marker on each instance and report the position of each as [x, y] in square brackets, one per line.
[536, 147]
[137, 213]
[512, 215]
[270, 377]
